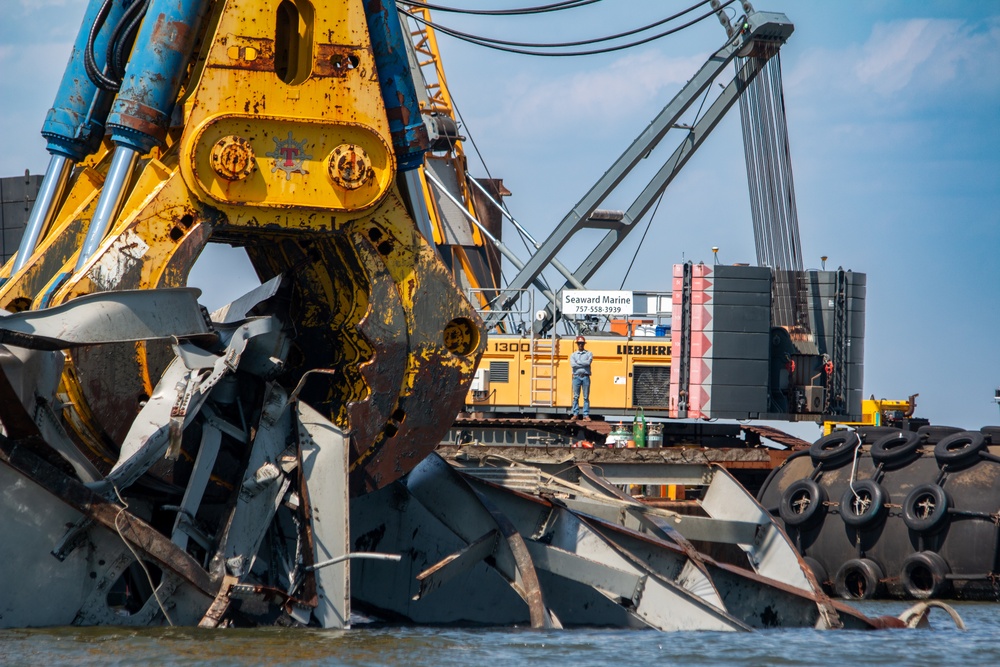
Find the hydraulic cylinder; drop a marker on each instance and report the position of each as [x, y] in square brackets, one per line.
[406, 124]
[74, 126]
[140, 115]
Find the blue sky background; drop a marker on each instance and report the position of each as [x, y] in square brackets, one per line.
[894, 121]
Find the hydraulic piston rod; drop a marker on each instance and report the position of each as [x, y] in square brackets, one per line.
[74, 126]
[141, 112]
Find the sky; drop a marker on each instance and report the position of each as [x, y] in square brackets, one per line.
[893, 109]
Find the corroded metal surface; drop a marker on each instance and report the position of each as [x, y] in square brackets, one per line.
[776, 435]
[746, 457]
[365, 294]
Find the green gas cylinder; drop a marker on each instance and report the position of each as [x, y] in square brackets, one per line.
[639, 428]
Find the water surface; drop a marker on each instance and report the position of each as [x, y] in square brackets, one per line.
[442, 647]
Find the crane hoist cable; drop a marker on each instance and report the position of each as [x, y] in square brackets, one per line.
[595, 40]
[512, 47]
[524, 11]
[772, 190]
[482, 161]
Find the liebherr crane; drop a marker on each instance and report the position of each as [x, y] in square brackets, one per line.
[799, 364]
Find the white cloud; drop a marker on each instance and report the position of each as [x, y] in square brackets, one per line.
[617, 89]
[904, 61]
[897, 50]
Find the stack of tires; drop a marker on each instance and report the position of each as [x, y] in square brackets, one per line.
[880, 512]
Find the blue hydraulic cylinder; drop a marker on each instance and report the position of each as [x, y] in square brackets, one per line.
[74, 126]
[406, 125]
[140, 115]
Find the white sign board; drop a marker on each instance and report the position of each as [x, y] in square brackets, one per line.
[596, 302]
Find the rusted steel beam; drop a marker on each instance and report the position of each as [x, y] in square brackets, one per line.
[595, 456]
[532, 593]
[777, 436]
[220, 605]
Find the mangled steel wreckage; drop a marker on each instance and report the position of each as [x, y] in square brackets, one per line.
[231, 496]
[274, 462]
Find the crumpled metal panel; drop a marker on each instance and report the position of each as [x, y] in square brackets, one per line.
[110, 317]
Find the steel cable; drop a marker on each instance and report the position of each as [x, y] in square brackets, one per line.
[524, 11]
[770, 183]
[595, 40]
[511, 47]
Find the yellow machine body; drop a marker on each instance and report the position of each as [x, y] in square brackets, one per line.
[875, 412]
[517, 372]
[287, 153]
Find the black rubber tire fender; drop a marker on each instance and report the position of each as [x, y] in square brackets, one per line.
[869, 497]
[858, 579]
[896, 447]
[925, 575]
[834, 449]
[960, 448]
[925, 508]
[802, 503]
[817, 569]
[936, 434]
[870, 434]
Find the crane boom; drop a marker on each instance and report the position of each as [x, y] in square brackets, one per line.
[774, 28]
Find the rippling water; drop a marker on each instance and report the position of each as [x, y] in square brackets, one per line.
[386, 646]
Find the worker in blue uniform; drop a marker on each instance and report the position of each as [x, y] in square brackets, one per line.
[579, 363]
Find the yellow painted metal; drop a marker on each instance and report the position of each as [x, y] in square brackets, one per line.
[874, 411]
[436, 230]
[615, 358]
[153, 246]
[58, 243]
[57, 247]
[439, 102]
[162, 214]
[425, 43]
[283, 148]
[294, 126]
[457, 164]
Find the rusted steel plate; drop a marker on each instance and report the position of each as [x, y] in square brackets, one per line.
[777, 436]
[673, 455]
[385, 327]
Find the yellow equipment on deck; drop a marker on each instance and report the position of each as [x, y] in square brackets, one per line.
[877, 412]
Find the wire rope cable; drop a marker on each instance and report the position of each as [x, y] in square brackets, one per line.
[595, 40]
[512, 47]
[523, 11]
[138, 559]
[649, 221]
